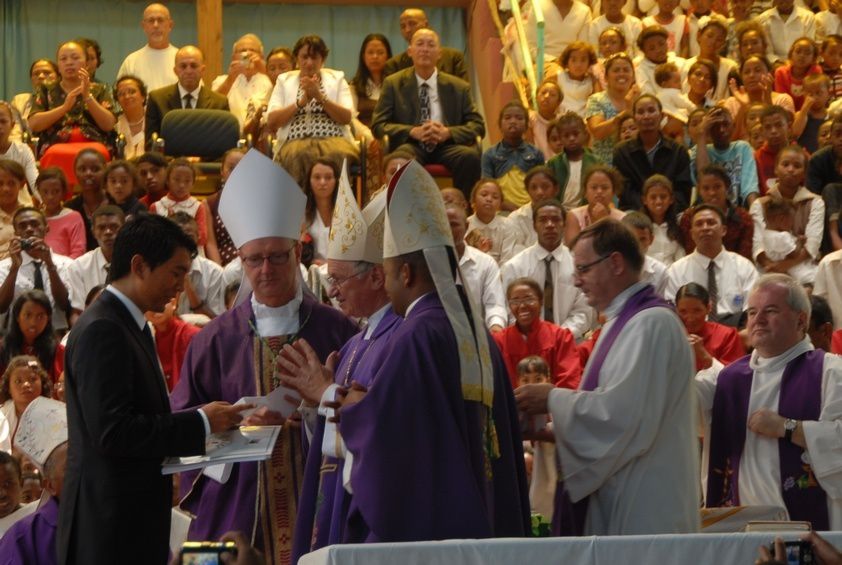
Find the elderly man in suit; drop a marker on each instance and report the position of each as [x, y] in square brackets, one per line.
[430, 114]
[187, 93]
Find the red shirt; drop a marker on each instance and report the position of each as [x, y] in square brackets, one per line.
[171, 344]
[788, 84]
[723, 343]
[836, 342]
[551, 342]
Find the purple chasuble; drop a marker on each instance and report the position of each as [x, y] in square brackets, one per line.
[569, 517]
[420, 470]
[800, 399]
[32, 540]
[219, 365]
[324, 502]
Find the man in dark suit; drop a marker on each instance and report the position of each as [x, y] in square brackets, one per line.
[451, 61]
[430, 114]
[115, 505]
[187, 93]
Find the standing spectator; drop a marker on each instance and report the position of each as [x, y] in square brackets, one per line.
[246, 79]
[154, 62]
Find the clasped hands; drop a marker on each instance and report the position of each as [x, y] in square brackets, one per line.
[431, 132]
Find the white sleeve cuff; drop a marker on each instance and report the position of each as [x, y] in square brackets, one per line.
[205, 421]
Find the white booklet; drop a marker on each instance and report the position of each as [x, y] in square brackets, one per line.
[248, 443]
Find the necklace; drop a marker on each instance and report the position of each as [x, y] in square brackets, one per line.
[137, 123]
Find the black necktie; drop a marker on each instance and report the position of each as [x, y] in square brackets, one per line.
[37, 276]
[188, 99]
[424, 99]
[548, 289]
[713, 289]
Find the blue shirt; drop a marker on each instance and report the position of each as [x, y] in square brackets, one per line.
[500, 159]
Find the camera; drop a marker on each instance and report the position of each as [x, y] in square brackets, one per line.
[797, 552]
[205, 552]
[25, 244]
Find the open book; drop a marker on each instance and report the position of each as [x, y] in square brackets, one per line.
[248, 443]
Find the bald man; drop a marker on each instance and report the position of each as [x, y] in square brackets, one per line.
[153, 62]
[187, 93]
[451, 60]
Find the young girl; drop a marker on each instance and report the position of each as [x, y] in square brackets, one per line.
[24, 380]
[678, 40]
[576, 158]
[121, 183]
[89, 167]
[320, 188]
[12, 179]
[17, 151]
[611, 41]
[541, 184]
[802, 61]
[614, 18]
[601, 186]
[554, 138]
[180, 178]
[31, 332]
[659, 204]
[66, 233]
[486, 200]
[575, 79]
[549, 96]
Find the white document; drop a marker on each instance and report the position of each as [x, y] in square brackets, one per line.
[274, 401]
[253, 443]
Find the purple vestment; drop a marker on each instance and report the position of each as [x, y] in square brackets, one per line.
[323, 506]
[219, 365]
[800, 398]
[420, 469]
[32, 540]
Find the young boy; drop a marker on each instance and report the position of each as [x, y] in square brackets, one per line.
[777, 127]
[573, 160]
[813, 112]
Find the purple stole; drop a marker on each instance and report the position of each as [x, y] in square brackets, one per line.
[800, 399]
[569, 517]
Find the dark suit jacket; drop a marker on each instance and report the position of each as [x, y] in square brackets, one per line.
[115, 504]
[671, 160]
[167, 98]
[451, 62]
[399, 109]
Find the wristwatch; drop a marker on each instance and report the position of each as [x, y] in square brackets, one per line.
[789, 428]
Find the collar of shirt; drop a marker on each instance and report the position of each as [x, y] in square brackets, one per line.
[194, 93]
[412, 305]
[277, 320]
[135, 312]
[777, 363]
[617, 304]
[703, 260]
[375, 319]
[433, 81]
[803, 193]
[558, 253]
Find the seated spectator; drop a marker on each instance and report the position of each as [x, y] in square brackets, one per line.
[602, 184]
[202, 299]
[550, 263]
[121, 185]
[824, 134]
[32, 265]
[454, 197]
[651, 153]
[487, 222]
[821, 331]
[181, 175]
[530, 335]
[701, 81]
[574, 161]
[549, 100]
[713, 189]
[756, 88]
[368, 81]
[89, 167]
[824, 166]
[41, 71]
[708, 339]
[154, 62]
[24, 380]
[219, 247]
[91, 269]
[575, 77]
[431, 114]
[12, 180]
[541, 185]
[152, 170]
[828, 284]
[784, 23]
[451, 61]
[653, 272]
[130, 93]
[66, 228]
[813, 113]
[694, 128]
[246, 80]
[73, 109]
[751, 40]
[711, 40]
[606, 109]
[779, 241]
[777, 133]
[187, 93]
[31, 488]
[726, 276]
[311, 110]
[611, 42]
[659, 204]
[17, 151]
[675, 23]
[715, 147]
[480, 273]
[614, 17]
[93, 54]
[320, 187]
[172, 337]
[802, 61]
[808, 223]
[831, 64]
[30, 331]
[654, 50]
[10, 475]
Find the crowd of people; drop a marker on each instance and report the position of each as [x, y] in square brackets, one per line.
[564, 331]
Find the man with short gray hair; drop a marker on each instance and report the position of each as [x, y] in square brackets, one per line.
[246, 80]
[775, 415]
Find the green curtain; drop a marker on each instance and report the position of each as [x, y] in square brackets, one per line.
[32, 29]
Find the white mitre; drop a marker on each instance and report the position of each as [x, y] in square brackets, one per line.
[356, 235]
[42, 428]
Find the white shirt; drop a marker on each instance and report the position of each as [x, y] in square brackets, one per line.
[781, 33]
[828, 284]
[570, 308]
[320, 234]
[26, 280]
[827, 23]
[244, 90]
[281, 320]
[675, 103]
[84, 273]
[664, 249]
[631, 28]
[206, 278]
[194, 96]
[644, 72]
[726, 67]
[631, 443]
[760, 474]
[481, 278]
[22, 154]
[814, 231]
[559, 31]
[135, 143]
[500, 232]
[735, 275]
[655, 273]
[153, 66]
[576, 92]
[435, 102]
[521, 224]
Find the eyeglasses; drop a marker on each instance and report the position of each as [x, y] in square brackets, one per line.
[523, 302]
[275, 259]
[339, 281]
[582, 269]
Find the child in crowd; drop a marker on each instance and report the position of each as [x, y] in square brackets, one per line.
[12, 181]
[753, 114]
[454, 197]
[575, 79]
[601, 186]
[549, 96]
[611, 41]
[779, 241]
[831, 64]
[121, 184]
[486, 201]
[541, 184]
[66, 233]
[624, 26]
[673, 101]
[180, 179]
[10, 477]
[31, 487]
[31, 332]
[508, 161]
[654, 272]
[755, 137]
[802, 61]
[172, 336]
[554, 138]
[17, 151]
[813, 113]
[652, 44]
[777, 123]
[89, 168]
[626, 128]
[694, 127]
[576, 158]
[824, 134]
[677, 26]
[659, 204]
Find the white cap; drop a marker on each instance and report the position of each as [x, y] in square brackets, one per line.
[260, 200]
[42, 428]
[356, 235]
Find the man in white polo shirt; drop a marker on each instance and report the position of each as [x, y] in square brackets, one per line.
[153, 63]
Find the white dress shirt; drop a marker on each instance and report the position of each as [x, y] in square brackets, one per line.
[481, 277]
[206, 278]
[521, 224]
[781, 34]
[655, 273]
[828, 284]
[194, 96]
[735, 275]
[243, 91]
[84, 273]
[26, 280]
[501, 233]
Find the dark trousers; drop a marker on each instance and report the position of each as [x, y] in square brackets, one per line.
[462, 160]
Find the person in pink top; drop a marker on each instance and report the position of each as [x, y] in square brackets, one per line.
[65, 227]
